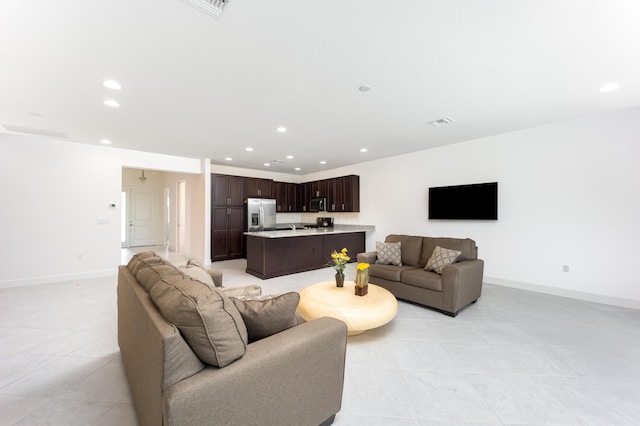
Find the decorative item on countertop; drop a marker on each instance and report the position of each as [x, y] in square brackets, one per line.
[362, 279]
[338, 262]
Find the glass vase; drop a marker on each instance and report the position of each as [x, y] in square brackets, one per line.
[362, 282]
[339, 279]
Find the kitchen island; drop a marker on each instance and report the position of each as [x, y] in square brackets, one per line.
[288, 251]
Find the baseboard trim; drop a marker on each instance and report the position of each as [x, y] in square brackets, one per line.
[580, 295]
[48, 279]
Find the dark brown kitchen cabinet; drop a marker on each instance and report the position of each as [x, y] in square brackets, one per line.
[319, 188]
[227, 217]
[286, 197]
[304, 196]
[256, 187]
[227, 190]
[227, 232]
[343, 194]
[274, 257]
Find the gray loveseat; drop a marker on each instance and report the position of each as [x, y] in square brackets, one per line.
[459, 284]
[293, 377]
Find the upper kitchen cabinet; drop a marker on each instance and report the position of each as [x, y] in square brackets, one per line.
[287, 196]
[304, 196]
[318, 188]
[227, 190]
[256, 187]
[343, 194]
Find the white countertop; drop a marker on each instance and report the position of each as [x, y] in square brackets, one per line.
[336, 229]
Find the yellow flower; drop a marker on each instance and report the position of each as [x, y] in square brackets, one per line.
[362, 266]
[339, 260]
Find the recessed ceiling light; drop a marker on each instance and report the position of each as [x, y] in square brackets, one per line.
[323, 162]
[289, 157]
[111, 103]
[228, 158]
[111, 84]
[297, 169]
[267, 164]
[281, 129]
[364, 88]
[609, 87]
[249, 149]
[105, 141]
[363, 150]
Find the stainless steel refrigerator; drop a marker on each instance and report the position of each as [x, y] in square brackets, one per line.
[261, 214]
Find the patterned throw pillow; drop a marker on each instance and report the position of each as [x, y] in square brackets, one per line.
[389, 253]
[440, 258]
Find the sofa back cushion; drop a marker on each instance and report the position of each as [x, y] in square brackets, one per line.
[149, 274]
[136, 261]
[465, 245]
[208, 320]
[411, 248]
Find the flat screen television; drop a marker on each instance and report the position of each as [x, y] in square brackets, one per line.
[471, 202]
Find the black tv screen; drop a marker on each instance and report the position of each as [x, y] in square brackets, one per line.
[472, 202]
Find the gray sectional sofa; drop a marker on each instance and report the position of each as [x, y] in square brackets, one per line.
[293, 377]
[458, 285]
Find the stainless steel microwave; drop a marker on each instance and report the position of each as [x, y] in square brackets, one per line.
[318, 204]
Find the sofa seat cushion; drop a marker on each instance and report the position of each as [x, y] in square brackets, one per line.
[388, 272]
[208, 320]
[411, 248]
[423, 279]
[269, 314]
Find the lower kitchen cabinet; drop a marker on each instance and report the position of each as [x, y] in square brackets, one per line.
[227, 232]
[274, 257]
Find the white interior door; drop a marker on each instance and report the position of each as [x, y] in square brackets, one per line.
[142, 217]
[180, 216]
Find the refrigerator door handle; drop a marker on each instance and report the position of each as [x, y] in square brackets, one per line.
[261, 210]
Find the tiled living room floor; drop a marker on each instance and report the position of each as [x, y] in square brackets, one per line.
[515, 357]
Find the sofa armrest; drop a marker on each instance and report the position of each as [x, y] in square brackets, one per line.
[461, 284]
[216, 275]
[367, 257]
[293, 377]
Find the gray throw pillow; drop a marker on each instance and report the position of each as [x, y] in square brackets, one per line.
[267, 315]
[207, 319]
[389, 253]
[197, 273]
[440, 258]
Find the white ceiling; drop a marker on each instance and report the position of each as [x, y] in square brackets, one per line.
[202, 87]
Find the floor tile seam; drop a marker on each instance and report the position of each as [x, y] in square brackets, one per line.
[103, 402]
[444, 371]
[53, 359]
[58, 358]
[495, 412]
[470, 383]
[416, 411]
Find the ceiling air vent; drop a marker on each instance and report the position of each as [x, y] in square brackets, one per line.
[441, 122]
[210, 7]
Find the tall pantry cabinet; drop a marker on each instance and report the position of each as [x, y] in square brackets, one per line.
[227, 217]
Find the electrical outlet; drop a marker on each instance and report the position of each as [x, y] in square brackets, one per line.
[565, 269]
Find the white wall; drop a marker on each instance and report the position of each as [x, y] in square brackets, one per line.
[53, 195]
[569, 194]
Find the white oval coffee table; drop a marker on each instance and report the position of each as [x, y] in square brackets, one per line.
[360, 313]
